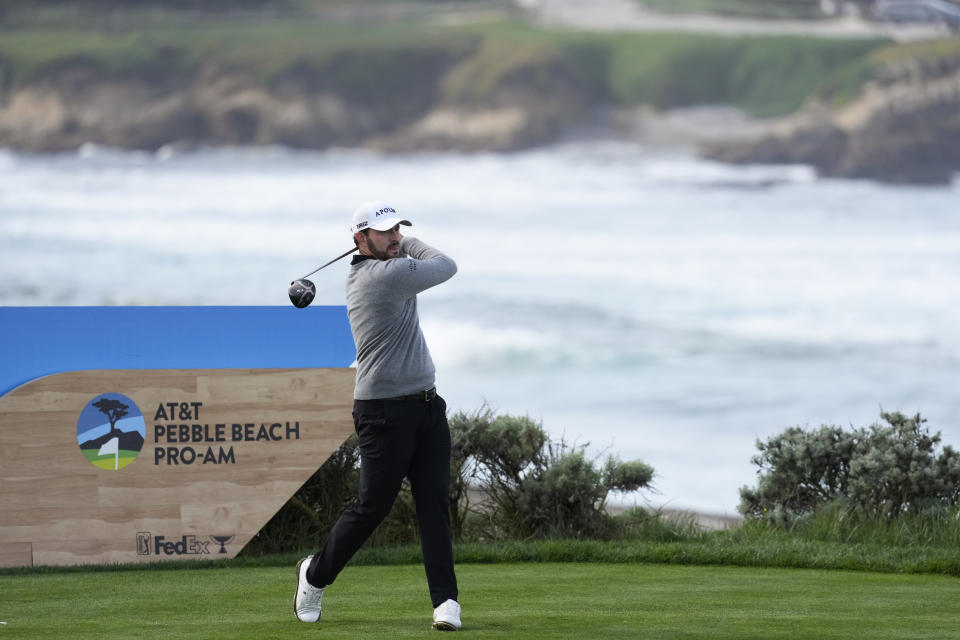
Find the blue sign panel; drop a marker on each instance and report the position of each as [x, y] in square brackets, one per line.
[40, 341]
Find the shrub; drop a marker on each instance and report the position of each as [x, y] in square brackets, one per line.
[491, 457]
[885, 470]
[531, 487]
[896, 469]
[562, 501]
[508, 480]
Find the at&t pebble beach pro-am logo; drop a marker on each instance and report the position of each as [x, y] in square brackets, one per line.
[110, 431]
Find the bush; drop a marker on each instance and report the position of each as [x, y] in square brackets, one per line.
[491, 457]
[529, 486]
[562, 501]
[508, 480]
[886, 470]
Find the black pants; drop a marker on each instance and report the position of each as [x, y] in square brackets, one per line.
[398, 438]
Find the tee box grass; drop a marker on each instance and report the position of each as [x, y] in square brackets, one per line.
[529, 600]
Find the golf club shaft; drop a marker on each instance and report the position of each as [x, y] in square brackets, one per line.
[331, 262]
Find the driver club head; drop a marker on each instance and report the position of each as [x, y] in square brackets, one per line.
[301, 292]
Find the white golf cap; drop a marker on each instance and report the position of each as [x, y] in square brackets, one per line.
[378, 215]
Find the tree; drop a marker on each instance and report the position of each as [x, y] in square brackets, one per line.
[114, 410]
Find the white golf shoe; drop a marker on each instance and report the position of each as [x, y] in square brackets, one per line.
[446, 617]
[306, 604]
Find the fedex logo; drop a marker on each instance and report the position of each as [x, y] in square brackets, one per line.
[187, 545]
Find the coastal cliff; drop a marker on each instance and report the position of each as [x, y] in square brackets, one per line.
[904, 127]
[426, 99]
[471, 93]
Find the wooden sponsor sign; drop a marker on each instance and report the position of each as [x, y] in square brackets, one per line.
[127, 465]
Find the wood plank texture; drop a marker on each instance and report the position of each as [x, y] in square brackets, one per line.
[223, 450]
[16, 554]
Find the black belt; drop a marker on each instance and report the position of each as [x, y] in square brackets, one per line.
[421, 396]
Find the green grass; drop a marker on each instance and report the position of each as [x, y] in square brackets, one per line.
[500, 601]
[845, 83]
[763, 75]
[259, 46]
[788, 9]
[771, 550]
[835, 539]
[751, 549]
[107, 461]
[837, 523]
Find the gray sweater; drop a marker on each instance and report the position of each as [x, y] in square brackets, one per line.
[392, 356]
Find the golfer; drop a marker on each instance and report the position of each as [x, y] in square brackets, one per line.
[399, 418]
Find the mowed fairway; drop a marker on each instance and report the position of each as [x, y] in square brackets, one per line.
[499, 601]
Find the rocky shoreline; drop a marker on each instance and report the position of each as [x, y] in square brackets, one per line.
[904, 128]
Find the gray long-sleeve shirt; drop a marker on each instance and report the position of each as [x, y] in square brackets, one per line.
[392, 356]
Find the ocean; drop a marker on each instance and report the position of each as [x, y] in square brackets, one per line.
[639, 303]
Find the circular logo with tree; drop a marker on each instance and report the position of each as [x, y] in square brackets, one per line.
[110, 431]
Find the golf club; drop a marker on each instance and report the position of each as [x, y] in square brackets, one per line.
[302, 291]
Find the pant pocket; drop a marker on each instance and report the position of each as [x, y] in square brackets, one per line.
[370, 423]
[368, 414]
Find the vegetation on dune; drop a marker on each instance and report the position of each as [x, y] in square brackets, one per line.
[879, 473]
[764, 75]
[846, 82]
[262, 49]
[480, 62]
[419, 63]
[784, 9]
[422, 64]
[509, 481]
[517, 496]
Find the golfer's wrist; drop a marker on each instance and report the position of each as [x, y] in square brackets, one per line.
[411, 246]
